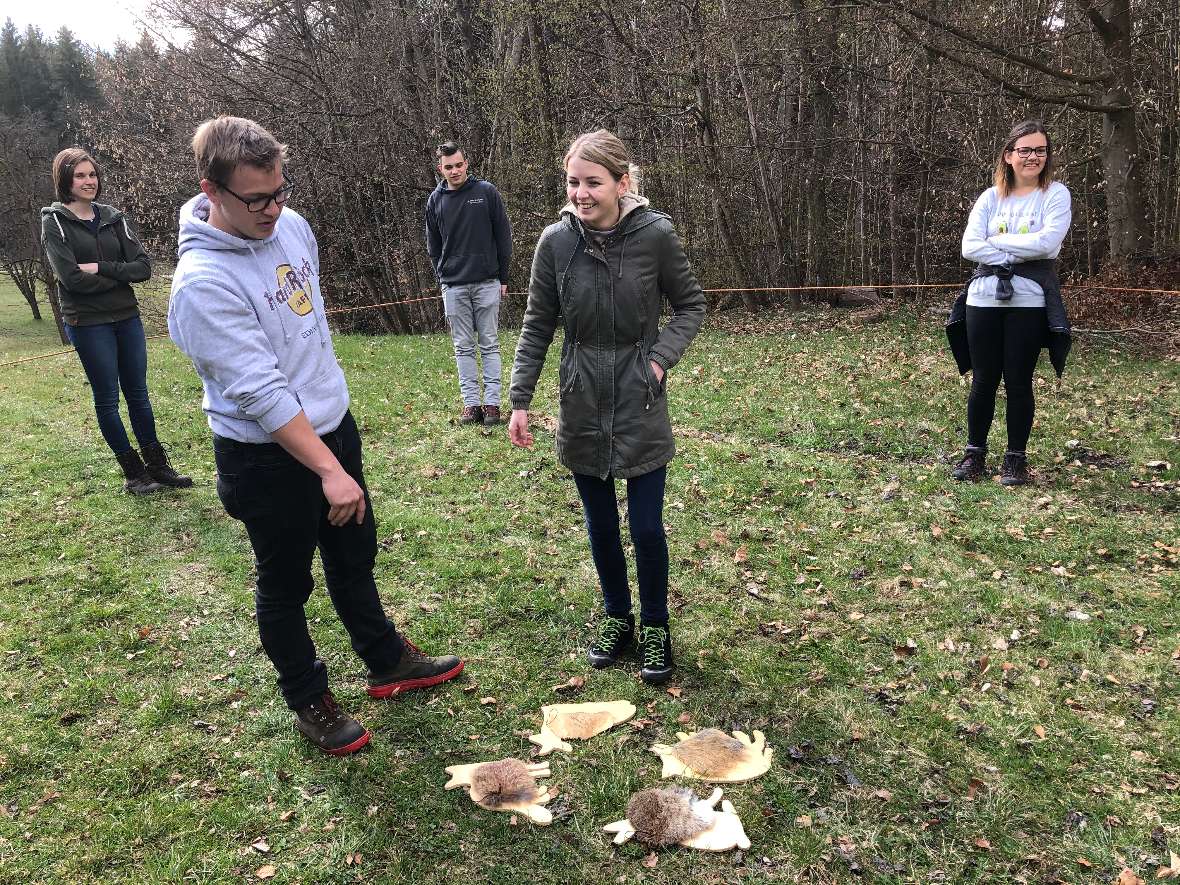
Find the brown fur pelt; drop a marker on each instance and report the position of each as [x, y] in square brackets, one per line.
[710, 752]
[499, 783]
[665, 817]
[580, 726]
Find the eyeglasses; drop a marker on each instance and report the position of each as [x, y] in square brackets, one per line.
[259, 204]
[1026, 152]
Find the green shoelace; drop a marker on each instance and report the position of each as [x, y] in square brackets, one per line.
[611, 630]
[653, 639]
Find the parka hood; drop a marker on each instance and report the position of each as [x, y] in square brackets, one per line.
[628, 203]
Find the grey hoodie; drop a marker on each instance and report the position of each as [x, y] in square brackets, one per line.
[249, 314]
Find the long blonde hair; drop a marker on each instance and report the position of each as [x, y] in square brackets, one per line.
[606, 149]
[1004, 178]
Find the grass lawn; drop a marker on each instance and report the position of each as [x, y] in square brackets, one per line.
[961, 683]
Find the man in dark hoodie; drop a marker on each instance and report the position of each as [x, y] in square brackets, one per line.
[469, 239]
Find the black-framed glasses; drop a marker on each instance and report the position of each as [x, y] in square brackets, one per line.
[1026, 152]
[259, 204]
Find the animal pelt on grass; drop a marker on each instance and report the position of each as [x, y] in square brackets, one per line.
[712, 755]
[505, 785]
[508, 781]
[710, 752]
[665, 816]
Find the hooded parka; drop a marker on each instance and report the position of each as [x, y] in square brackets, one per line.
[613, 418]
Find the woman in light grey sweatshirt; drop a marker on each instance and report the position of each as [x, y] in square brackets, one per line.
[1014, 233]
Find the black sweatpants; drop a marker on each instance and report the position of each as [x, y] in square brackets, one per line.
[1005, 342]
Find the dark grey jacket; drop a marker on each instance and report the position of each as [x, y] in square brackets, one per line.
[613, 419]
[1057, 331]
[105, 297]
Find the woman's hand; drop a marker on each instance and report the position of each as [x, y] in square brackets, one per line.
[89, 267]
[518, 429]
[658, 371]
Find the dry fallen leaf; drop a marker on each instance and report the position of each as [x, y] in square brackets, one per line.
[675, 690]
[883, 794]
[684, 719]
[266, 871]
[261, 846]
[983, 844]
[488, 700]
[1128, 877]
[740, 555]
[573, 684]
[1039, 731]
[651, 860]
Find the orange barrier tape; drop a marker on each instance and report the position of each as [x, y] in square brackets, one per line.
[337, 310]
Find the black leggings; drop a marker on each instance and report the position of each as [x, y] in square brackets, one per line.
[1005, 343]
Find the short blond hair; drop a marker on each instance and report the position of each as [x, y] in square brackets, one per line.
[606, 149]
[223, 144]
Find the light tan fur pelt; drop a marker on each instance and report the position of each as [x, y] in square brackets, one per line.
[665, 817]
[581, 726]
[710, 752]
[498, 783]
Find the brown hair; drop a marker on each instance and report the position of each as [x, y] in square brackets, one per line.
[223, 144]
[447, 149]
[606, 149]
[1004, 178]
[64, 165]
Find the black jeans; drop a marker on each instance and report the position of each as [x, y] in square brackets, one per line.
[283, 507]
[645, 516]
[1005, 342]
[114, 355]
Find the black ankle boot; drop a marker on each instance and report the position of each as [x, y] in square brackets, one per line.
[615, 635]
[1014, 471]
[137, 480]
[156, 460]
[655, 648]
[972, 466]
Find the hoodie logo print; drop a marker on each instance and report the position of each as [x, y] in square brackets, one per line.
[293, 289]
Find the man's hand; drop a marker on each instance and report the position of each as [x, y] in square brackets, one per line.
[89, 267]
[346, 498]
[658, 371]
[503, 290]
[518, 429]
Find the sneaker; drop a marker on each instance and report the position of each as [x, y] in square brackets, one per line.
[414, 670]
[491, 416]
[614, 636]
[972, 465]
[329, 728]
[1014, 471]
[471, 415]
[655, 645]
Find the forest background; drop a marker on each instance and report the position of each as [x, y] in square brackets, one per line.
[795, 143]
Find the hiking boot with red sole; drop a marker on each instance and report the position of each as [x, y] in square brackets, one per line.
[329, 728]
[414, 670]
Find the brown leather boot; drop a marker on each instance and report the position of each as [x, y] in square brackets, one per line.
[156, 460]
[491, 416]
[471, 415]
[137, 481]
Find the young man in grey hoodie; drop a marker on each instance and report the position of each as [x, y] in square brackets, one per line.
[246, 309]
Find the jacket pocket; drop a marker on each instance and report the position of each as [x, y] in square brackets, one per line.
[653, 389]
[569, 373]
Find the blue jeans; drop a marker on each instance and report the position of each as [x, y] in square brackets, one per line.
[283, 507]
[114, 355]
[645, 516]
[473, 314]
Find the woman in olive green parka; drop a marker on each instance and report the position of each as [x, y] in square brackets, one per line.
[603, 269]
